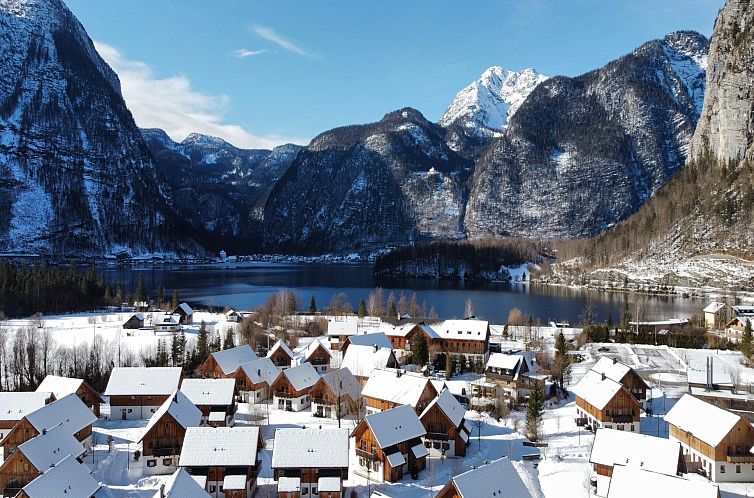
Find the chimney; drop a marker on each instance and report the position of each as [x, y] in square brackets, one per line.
[162, 490]
[603, 376]
[615, 360]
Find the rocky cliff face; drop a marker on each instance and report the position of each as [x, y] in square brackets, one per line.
[75, 174]
[726, 128]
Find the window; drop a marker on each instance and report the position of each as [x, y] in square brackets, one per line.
[212, 488]
[722, 469]
[152, 463]
[130, 410]
[167, 462]
[738, 469]
[314, 491]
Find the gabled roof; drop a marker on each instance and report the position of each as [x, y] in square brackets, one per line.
[378, 339]
[596, 389]
[450, 407]
[467, 330]
[395, 426]
[167, 319]
[312, 347]
[612, 368]
[69, 413]
[506, 361]
[301, 376]
[138, 316]
[396, 386]
[209, 391]
[310, 448]
[49, 448]
[280, 344]
[60, 386]
[230, 359]
[496, 479]
[261, 370]
[714, 307]
[15, 405]
[342, 327]
[612, 447]
[703, 420]
[184, 308]
[180, 408]
[342, 381]
[629, 482]
[138, 381]
[362, 360]
[220, 447]
[181, 485]
[69, 479]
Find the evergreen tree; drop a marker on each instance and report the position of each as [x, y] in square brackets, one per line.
[202, 343]
[362, 309]
[534, 411]
[392, 310]
[161, 295]
[118, 295]
[175, 302]
[420, 350]
[505, 332]
[229, 341]
[562, 365]
[162, 354]
[178, 348]
[746, 340]
[312, 305]
[140, 295]
[292, 306]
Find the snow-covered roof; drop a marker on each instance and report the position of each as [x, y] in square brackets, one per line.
[230, 359]
[220, 447]
[69, 479]
[612, 368]
[59, 386]
[505, 361]
[166, 319]
[143, 381]
[312, 347]
[15, 405]
[182, 485]
[209, 391]
[342, 381]
[395, 425]
[467, 330]
[261, 370]
[280, 344]
[362, 360]
[68, 412]
[596, 389]
[743, 310]
[498, 478]
[378, 339]
[703, 420]
[714, 307]
[180, 408]
[329, 484]
[396, 386]
[234, 482]
[310, 448]
[629, 482]
[47, 449]
[289, 484]
[301, 376]
[612, 447]
[449, 405]
[138, 316]
[184, 308]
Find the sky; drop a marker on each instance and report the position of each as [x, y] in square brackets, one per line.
[260, 74]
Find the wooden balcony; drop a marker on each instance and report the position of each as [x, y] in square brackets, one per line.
[620, 419]
[166, 451]
[365, 454]
[739, 457]
[437, 436]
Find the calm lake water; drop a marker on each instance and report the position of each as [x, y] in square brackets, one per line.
[246, 285]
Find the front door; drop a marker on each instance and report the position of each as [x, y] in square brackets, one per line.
[123, 414]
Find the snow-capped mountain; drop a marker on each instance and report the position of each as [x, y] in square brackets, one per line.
[75, 174]
[486, 105]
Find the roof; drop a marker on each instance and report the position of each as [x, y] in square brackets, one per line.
[230, 359]
[47, 449]
[139, 381]
[505, 361]
[138, 316]
[310, 448]
[280, 344]
[312, 347]
[68, 478]
[182, 485]
[714, 307]
[342, 327]
[596, 389]
[180, 408]
[261, 370]
[395, 385]
[166, 319]
[69, 412]
[694, 415]
[395, 426]
[362, 360]
[220, 447]
[342, 381]
[450, 407]
[467, 330]
[378, 339]
[184, 308]
[234, 482]
[301, 376]
[209, 391]
[15, 405]
[496, 479]
[612, 368]
[628, 482]
[612, 447]
[329, 484]
[289, 484]
[60, 386]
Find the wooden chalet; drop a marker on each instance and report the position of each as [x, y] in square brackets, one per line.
[714, 441]
[68, 414]
[310, 463]
[447, 434]
[281, 355]
[340, 328]
[225, 458]
[317, 355]
[69, 478]
[213, 397]
[225, 363]
[184, 313]
[627, 376]
[374, 339]
[603, 402]
[135, 321]
[628, 481]
[181, 485]
[63, 386]
[363, 360]
[498, 478]
[291, 390]
[163, 436]
[14, 406]
[402, 338]
[137, 392]
[467, 339]
[717, 314]
[336, 394]
[388, 388]
[510, 373]
[254, 380]
[233, 316]
[389, 445]
[166, 324]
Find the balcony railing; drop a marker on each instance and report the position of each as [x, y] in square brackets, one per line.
[284, 395]
[365, 454]
[437, 436]
[168, 451]
[739, 457]
[620, 419]
[322, 401]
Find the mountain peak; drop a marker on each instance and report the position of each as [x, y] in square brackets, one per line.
[205, 140]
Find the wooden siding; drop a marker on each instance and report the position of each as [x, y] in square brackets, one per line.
[366, 442]
[280, 358]
[90, 397]
[147, 400]
[428, 394]
[283, 385]
[165, 436]
[449, 491]
[17, 467]
[437, 424]
[211, 370]
[623, 404]
[736, 443]
[320, 356]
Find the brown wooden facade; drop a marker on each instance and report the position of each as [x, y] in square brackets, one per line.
[427, 395]
[309, 477]
[24, 431]
[89, 397]
[142, 400]
[621, 409]
[164, 439]
[281, 359]
[217, 474]
[211, 370]
[449, 491]
[369, 450]
[633, 382]
[319, 357]
[283, 388]
[440, 429]
[733, 448]
[244, 383]
[15, 473]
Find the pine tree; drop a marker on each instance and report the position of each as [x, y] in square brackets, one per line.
[534, 411]
[161, 295]
[562, 364]
[229, 341]
[421, 350]
[362, 309]
[392, 310]
[746, 340]
[292, 306]
[312, 305]
[140, 295]
[175, 302]
[202, 343]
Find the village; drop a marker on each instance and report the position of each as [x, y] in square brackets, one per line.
[388, 408]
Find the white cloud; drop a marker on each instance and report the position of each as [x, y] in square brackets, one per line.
[242, 53]
[273, 36]
[173, 105]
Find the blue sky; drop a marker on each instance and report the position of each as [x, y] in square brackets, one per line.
[263, 73]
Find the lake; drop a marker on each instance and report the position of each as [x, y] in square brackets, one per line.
[244, 286]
